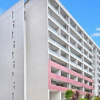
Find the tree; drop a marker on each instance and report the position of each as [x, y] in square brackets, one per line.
[88, 96]
[76, 96]
[69, 94]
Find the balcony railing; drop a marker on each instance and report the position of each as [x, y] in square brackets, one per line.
[65, 20]
[63, 38]
[76, 56]
[88, 65]
[75, 65]
[88, 72]
[88, 58]
[64, 58]
[51, 18]
[79, 34]
[76, 48]
[54, 31]
[52, 7]
[88, 43]
[58, 45]
[51, 51]
[88, 50]
[57, 55]
[76, 40]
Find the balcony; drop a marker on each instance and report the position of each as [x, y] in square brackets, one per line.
[56, 33]
[88, 50]
[75, 65]
[79, 34]
[65, 59]
[50, 6]
[58, 45]
[87, 72]
[75, 48]
[64, 19]
[53, 31]
[54, 53]
[51, 18]
[64, 39]
[76, 57]
[62, 81]
[73, 28]
[88, 65]
[87, 43]
[76, 40]
[88, 58]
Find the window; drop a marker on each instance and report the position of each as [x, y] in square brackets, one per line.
[12, 73]
[12, 96]
[12, 35]
[13, 85]
[12, 55]
[13, 61]
[13, 24]
[12, 14]
[13, 65]
[13, 41]
[13, 45]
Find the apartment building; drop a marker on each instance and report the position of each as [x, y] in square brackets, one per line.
[44, 52]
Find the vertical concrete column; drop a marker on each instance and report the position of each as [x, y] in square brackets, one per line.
[68, 29]
[59, 52]
[69, 20]
[83, 57]
[69, 86]
[59, 31]
[69, 44]
[83, 89]
[60, 95]
[48, 94]
[76, 27]
[76, 45]
[88, 40]
[59, 9]
[76, 62]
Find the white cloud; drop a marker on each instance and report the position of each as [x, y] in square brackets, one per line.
[96, 35]
[98, 29]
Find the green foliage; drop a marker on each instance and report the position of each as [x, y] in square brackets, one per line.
[96, 98]
[88, 96]
[83, 99]
[69, 94]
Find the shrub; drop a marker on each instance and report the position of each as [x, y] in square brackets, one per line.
[96, 98]
[83, 99]
[88, 96]
[69, 94]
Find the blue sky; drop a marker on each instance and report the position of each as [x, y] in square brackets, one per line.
[86, 12]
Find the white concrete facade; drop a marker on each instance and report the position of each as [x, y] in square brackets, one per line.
[44, 52]
[12, 53]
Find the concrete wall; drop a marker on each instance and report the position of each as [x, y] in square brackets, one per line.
[37, 53]
[12, 69]
[96, 73]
